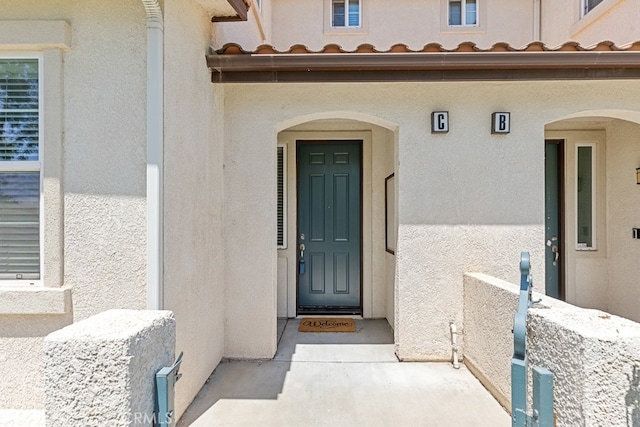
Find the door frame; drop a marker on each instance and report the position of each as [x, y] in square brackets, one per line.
[287, 287]
[561, 172]
[360, 143]
[586, 267]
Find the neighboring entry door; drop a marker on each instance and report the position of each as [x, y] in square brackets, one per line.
[329, 226]
[554, 178]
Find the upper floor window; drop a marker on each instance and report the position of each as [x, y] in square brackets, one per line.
[588, 5]
[19, 168]
[463, 12]
[345, 13]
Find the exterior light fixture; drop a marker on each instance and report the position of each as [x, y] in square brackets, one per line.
[638, 176]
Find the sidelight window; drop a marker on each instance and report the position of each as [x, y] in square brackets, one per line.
[585, 197]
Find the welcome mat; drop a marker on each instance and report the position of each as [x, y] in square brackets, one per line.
[321, 324]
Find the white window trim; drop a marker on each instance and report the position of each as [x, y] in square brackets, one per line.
[285, 223]
[347, 15]
[594, 191]
[31, 166]
[329, 29]
[48, 40]
[583, 7]
[463, 14]
[479, 28]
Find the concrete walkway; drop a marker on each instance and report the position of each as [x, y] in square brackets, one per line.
[341, 380]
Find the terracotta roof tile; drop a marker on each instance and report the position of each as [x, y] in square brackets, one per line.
[433, 62]
[467, 47]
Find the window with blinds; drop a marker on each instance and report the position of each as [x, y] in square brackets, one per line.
[345, 13]
[282, 197]
[463, 12]
[19, 169]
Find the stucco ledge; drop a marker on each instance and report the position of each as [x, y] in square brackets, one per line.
[34, 300]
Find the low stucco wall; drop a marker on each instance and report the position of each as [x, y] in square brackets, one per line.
[595, 357]
[101, 371]
[489, 307]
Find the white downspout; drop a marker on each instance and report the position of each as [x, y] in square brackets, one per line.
[155, 153]
[537, 20]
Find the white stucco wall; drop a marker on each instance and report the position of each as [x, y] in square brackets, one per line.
[96, 180]
[592, 354]
[487, 346]
[105, 155]
[623, 157]
[468, 200]
[194, 244]
[411, 22]
[102, 370]
[249, 230]
[613, 20]
[594, 358]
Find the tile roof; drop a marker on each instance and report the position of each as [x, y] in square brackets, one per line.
[467, 47]
[433, 62]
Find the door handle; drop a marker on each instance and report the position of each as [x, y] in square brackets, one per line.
[301, 263]
[556, 254]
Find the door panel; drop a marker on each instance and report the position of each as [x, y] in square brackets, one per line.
[554, 251]
[329, 226]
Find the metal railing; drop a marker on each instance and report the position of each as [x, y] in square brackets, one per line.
[542, 415]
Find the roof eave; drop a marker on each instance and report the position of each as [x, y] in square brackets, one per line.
[423, 61]
[525, 65]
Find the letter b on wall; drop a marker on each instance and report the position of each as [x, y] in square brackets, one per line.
[500, 122]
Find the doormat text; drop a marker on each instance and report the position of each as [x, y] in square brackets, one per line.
[309, 324]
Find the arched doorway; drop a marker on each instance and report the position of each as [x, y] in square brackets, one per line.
[592, 199]
[376, 142]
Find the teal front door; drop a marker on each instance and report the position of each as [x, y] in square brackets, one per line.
[554, 177]
[329, 226]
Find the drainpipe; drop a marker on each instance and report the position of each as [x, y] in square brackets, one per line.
[537, 20]
[155, 153]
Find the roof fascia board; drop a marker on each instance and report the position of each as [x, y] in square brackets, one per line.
[371, 76]
[424, 61]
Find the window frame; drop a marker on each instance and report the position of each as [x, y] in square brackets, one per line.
[584, 9]
[346, 14]
[330, 30]
[594, 190]
[463, 14]
[31, 166]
